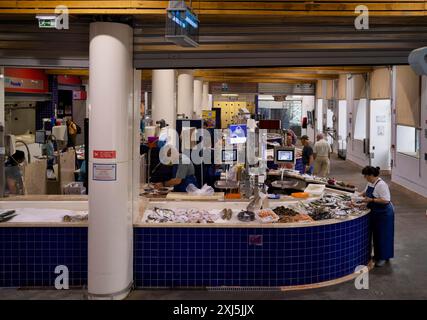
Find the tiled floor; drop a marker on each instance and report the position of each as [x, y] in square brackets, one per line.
[404, 278]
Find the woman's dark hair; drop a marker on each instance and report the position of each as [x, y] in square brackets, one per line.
[371, 171]
[18, 156]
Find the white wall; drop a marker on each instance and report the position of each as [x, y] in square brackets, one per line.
[319, 116]
[405, 139]
[408, 171]
[330, 124]
[308, 105]
[354, 147]
[380, 133]
[20, 121]
[342, 124]
[360, 119]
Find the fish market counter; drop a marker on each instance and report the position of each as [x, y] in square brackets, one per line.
[291, 255]
[288, 251]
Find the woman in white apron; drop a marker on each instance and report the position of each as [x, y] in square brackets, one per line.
[377, 197]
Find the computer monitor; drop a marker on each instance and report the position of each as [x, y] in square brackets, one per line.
[238, 133]
[284, 155]
[40, 136]
[229, 155]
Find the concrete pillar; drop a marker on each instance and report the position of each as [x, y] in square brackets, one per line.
[198, 94]
[87, 102]
[135, 138]
[110, 250]
[185, 93]
[205, 96]
[163, 97]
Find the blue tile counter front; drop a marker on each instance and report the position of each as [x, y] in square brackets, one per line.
[190, 257]
[187, 257]
[29, 255]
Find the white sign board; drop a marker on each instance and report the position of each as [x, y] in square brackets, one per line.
[104, 172]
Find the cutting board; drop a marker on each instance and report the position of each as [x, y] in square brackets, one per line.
[186, 196]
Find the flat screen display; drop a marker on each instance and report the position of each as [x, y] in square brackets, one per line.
[229, 155]
[40, 136]
[284, 155]
[238, 133]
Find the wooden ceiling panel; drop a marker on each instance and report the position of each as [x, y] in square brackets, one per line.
[237, 8]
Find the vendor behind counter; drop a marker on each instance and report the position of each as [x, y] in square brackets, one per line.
[178, 175]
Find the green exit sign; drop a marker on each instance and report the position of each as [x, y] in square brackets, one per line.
[47, 23]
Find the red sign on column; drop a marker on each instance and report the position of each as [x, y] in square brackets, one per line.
[104, 154]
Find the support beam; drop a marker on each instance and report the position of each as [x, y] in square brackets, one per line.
[185, 93]
[163, 97]
[205, 96]
[110, 249]
[198, 96]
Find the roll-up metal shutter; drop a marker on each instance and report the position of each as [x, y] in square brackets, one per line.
[342, 87]
[408, 97]
[380, 84]
[359, 86]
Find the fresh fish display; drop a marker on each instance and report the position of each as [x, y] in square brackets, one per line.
[246, 216]
[76, 218]
[289, 215]
[161, 215]
[283, 211]
[7, 215]
[332, 206]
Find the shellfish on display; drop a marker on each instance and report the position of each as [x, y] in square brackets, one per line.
[226, 214]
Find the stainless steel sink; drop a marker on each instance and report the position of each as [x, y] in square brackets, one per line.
[223, 184]
[284, 184]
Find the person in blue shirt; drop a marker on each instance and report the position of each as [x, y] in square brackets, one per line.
[182, 175]
[13, 175]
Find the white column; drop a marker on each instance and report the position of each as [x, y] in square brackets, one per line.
[86, 85]
[110, 265]
[198, 90]
[163, 97]
[135, 137]
[205, 96]
[185, 93]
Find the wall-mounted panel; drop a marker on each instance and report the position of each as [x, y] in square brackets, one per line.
[320, 91]
[359, 86]
[380, 84]
[408, 96]
[329, 89]
[342, 87]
